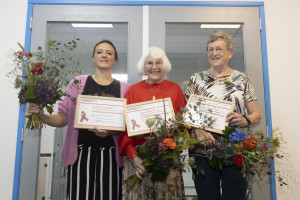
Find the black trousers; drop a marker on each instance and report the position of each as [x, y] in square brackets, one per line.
[233, 185]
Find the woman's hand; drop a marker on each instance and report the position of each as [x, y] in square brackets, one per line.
[236, 120]
[33, 108]
[202, 135]
[55, 120]
[140, 170]
[103, 133]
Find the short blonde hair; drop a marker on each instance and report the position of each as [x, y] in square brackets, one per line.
[155, 53]
[223, 36]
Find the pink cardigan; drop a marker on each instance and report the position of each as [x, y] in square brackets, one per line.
[68, 108]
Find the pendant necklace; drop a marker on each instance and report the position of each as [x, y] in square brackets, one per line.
[153, 92]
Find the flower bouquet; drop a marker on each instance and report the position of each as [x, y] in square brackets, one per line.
[163, 149]
[41, 76]
[248, 149]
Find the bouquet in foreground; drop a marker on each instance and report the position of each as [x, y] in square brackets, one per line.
[248, 149]
[163, 149]
[41, 76]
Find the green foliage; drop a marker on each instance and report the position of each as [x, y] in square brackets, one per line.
[41, 76]
[256, 150]
[163, 149]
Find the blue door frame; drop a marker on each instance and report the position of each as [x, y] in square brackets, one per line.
[260, 5]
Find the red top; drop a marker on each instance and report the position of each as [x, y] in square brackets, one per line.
[141, 92]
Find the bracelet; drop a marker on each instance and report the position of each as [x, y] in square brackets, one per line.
[133, 157]
[248, 120]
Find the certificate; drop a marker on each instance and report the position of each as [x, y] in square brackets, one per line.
[104, 112]
[137, 114]
[199, 109]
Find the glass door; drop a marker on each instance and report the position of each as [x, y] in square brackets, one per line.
[173, 28]
[62, 23]
[179, 30]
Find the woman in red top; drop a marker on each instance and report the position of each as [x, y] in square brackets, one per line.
[155, 64]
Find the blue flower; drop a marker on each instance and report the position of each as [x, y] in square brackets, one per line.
[237, 136]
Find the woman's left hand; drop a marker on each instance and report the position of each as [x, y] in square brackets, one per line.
[103, 133]
[236, 120]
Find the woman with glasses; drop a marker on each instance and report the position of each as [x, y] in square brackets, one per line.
[222, 82]
[155, 64]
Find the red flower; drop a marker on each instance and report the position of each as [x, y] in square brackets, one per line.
[33, 72]
[37, 71]
[40, 70]
[251, 143]
[239, 160]
[169, 143]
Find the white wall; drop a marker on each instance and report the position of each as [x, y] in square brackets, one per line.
[282, 27]
[12, 22]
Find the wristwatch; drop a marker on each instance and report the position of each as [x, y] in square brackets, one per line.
[248, 120]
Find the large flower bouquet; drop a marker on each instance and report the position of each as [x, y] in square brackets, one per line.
[41, 76]
[248, 149]
[163, 149]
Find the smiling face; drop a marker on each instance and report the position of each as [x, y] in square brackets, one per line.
[154, 70]
[104, 56]
[218, 54]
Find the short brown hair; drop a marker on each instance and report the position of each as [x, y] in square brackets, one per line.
[221, 35]
[108, 42]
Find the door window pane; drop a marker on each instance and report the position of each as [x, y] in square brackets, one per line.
[186, 49]
[89, 34]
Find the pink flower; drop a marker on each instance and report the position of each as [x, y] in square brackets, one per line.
[161, 148]
[22, 53]
[265, 146]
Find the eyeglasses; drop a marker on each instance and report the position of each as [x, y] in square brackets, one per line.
[218, 50]
[152, 63]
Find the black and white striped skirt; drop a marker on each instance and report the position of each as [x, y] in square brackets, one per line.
[95, 175]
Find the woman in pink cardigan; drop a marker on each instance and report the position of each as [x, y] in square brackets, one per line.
[91, 155]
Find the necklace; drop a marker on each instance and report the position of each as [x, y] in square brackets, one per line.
[154, 92]
[155, 88]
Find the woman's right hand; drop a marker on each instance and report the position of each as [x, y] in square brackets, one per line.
[33, 108]
[140, 170]
[202, 135]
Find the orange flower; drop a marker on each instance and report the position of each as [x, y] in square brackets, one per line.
[169, 142]
[251, 143]
[240, 146]
[37, 65]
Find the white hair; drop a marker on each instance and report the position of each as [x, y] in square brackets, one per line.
[155, 53]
